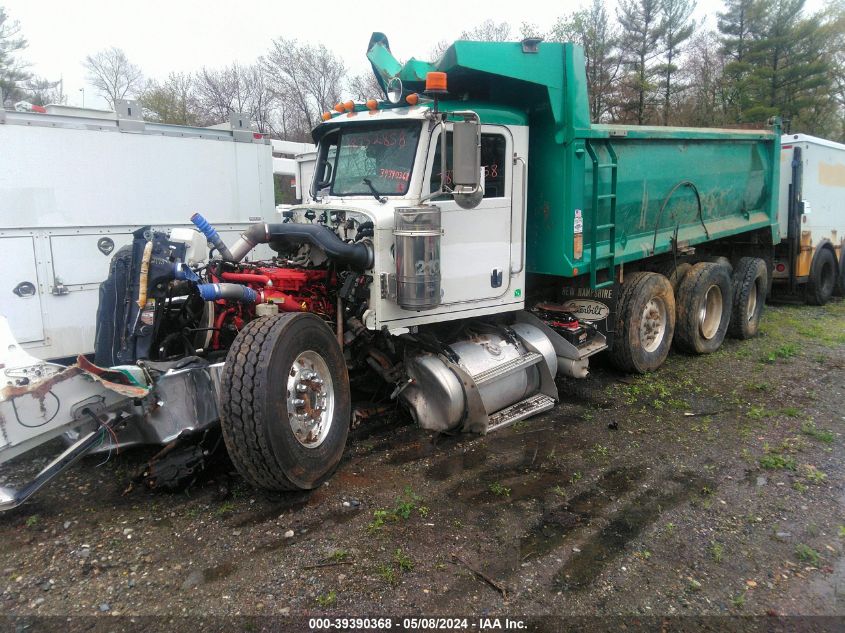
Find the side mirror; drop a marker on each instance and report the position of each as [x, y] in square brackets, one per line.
[466, 160]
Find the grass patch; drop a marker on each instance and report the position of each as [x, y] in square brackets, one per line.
[717, 552]
[598, 452]
[807, 554]
[387, 574]
[225, 508]
[339, 555]
[773, 461]
[814, 475]
[32, 521]
[756, 412]
[787, 350]
[402, 560]
[327, 599]
[499, 490]
[810, 429]
[402, 510]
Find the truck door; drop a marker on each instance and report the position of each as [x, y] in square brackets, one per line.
[475, 257]
[19, 289]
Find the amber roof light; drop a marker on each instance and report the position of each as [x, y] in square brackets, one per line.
[435, 82]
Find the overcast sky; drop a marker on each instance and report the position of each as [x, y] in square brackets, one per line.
[184, 35]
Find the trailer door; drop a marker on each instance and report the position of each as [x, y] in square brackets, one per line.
[20, 299]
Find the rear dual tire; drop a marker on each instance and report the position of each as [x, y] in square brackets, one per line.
[750, 285]
[704, 301]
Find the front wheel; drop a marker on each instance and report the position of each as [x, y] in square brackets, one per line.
[285, 402]
[645, 322]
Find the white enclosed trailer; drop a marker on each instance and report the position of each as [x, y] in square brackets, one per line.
[811, 214]
[75, 183]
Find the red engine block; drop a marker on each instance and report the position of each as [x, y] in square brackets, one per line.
[291, 289]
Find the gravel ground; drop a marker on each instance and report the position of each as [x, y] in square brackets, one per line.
[714, 486]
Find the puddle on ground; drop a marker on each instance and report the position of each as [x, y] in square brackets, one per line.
[558, 523]
[210, 574]
[457, 463]
[585, 565]
[412, 451]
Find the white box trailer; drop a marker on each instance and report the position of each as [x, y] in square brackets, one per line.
[75, 183]
[811, 214]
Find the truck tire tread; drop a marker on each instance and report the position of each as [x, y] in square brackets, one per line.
[690, 293]
[628, 357]
[746, 274]
[255, 427]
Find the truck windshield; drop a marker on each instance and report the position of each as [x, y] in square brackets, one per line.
[382, 153]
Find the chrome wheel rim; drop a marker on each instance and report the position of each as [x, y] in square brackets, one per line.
[710, 315]
[653, 324]
[310, 399]
[751, 305]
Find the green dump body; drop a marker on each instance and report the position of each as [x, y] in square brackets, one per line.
[630, 190]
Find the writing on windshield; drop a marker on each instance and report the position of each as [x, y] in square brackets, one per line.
[382, 153]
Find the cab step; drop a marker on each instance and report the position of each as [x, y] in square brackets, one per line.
[520, 410]
[515, 364]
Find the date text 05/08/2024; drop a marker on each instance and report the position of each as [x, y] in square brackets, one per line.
[420, 623]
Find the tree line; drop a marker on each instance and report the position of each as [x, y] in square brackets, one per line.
[648, 62]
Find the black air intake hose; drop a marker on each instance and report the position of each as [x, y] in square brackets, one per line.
[292, 234]
[358, 255]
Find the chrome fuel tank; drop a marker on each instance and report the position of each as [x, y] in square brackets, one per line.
[437, 397]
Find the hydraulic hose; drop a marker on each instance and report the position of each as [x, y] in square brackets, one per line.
[230, 292]
[358, 255]
[212, 236]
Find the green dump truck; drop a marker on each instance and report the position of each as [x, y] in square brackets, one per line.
[463, 242]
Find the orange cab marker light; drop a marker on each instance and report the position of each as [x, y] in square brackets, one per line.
[372, 104]
[349, 106]
[435, 82]
[326, 116]
[338, 107]
[413, 99]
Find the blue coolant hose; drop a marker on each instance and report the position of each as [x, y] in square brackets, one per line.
[231, 292]
[212, 236]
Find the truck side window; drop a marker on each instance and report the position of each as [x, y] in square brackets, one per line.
[493, 161]
[326, 159]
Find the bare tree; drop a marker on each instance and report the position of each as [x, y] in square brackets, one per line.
[305, 80]
[113, 75]
[488, 31]
[235, 88]
[171, 101]
[365, 86]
